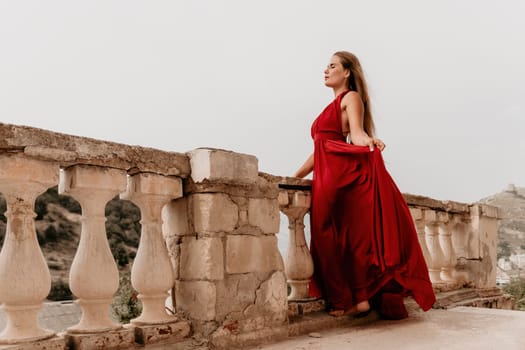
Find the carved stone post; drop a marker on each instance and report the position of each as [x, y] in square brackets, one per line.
[25, 280]
[152, 273]
[419, 223]
[483, 244]
[299, 266]
[434, 248]
[445, 242]
[460, 235]
[94, 276]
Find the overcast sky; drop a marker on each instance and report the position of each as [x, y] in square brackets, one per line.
[447, 79]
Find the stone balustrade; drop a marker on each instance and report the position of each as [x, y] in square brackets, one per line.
[93, 172]
[208, 243]
[458, 240]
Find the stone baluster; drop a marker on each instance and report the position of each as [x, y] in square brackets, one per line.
[299, 266]
[445, 242]
[419, 223]
[94, 276]
[460, 236]
[152, 273]
[432, 239]
[25, 280]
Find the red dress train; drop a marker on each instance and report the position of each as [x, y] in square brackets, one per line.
[363, 240]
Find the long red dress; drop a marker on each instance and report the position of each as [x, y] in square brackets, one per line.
[363, 240]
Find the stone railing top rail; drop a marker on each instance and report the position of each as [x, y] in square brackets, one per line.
[412, 200]
[452, 206]
[68, 150]
[288, 182]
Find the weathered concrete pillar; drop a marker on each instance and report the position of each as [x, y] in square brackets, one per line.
[461, 231]
[432, 239]
[25, 280]
[230, 272]
[94, 276]
[152, 274]
[299, 265]
[484, 221]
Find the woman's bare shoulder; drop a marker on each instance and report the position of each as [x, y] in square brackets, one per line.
[352, 98]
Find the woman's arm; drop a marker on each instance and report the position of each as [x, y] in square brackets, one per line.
[306, 168]
[352, 105]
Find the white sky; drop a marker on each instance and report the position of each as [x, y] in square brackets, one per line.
[447, 79]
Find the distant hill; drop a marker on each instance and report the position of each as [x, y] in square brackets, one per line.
[511, 233]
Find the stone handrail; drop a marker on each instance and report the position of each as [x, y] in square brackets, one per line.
[208, 242]
[67, 150]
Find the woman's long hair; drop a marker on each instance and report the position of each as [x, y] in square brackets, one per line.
[357, 83]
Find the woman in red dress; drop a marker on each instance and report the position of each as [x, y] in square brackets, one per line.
[363, 240]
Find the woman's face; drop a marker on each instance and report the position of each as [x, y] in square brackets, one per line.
[335, 75]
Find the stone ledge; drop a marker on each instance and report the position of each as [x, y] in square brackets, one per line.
[164, 333]
[69, 150]
[55, 343]
[118, 339]
[450, 287]
[259, 189]
[287, 181]
[488, 298]
[505, 301]
[298, 325]
[189, 344]
[426, 202]
[299, 307]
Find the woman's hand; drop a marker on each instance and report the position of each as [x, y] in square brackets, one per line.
[365, 140]
[378, 143]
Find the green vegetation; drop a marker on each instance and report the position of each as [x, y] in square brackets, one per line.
[52, 196]
[516, 288]
[126, 305]
[123, 230]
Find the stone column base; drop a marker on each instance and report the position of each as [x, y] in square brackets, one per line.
[117, 339]
[55, 343]
[169, 333]
[299, 308]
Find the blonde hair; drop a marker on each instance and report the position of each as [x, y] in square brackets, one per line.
[356, 82]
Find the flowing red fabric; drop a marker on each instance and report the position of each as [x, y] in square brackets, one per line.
[363, 240]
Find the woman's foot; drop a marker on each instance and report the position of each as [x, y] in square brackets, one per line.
[363, 306]
[336, 313]
[360, 308]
